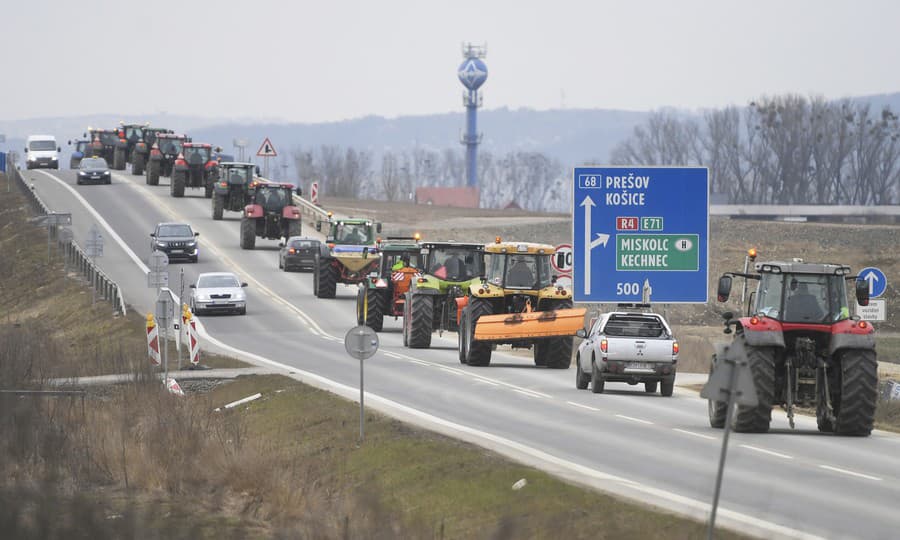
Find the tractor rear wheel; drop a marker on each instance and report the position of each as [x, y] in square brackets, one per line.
[855, 410]
[248, 233]
[555, 353]
[176, 186]
[153, 173]
[208, 188]
[757, 419]
[421, 319]
[406, 320]
[137, 163]
[218, 207]
[375, 300]
[326, 281]
[461, 337]
[478, 353]
[717, 409]
[119, 159]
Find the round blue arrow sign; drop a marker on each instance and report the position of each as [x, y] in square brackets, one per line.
[876, 280]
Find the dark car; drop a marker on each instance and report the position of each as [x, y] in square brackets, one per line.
[298, 252]
[177, 240]
[93, 170]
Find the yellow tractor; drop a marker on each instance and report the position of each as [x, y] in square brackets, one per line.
[518, 303]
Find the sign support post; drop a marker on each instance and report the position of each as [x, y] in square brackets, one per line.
[361, 343]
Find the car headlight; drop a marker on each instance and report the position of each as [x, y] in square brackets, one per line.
[240, 296]
[82, 173]
[161, 244]
[105, 173]
[192, 243]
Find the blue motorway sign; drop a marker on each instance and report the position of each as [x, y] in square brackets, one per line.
[876, 279]
[637, 227]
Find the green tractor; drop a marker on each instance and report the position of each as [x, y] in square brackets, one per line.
[232, 191]
[431, 306]
[384, 292]
[348, 255]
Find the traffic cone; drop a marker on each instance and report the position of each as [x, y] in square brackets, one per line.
[173, 387]
[152, 340]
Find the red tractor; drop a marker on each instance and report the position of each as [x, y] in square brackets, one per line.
[195, 168]
[163, 154]
[802, 346]
[270, 214]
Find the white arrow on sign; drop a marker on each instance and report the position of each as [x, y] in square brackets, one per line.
[871, 278]
[601, 239]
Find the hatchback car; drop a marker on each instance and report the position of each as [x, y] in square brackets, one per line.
[93, 170]
[177, 240]
[298, 252]
[218, 292]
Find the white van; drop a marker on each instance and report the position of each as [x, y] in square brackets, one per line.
[42, 151]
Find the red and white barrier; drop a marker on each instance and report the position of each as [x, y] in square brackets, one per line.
[152, 340]
[173, 387]
[189, 324]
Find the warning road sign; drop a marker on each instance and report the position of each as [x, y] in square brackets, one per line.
[266, 149]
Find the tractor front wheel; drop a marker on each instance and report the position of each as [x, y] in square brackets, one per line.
[421, 319]
[137, 163]
[326, 280]
[153, 173]
[374, 309]
[119, 159]
[176, 186]
[208, 188]
[478, 353]
[248, 233]
[218, 207]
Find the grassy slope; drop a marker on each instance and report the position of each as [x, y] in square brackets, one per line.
[137, 462]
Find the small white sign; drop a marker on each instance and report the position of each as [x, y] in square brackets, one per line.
[564, 280]
[876, 311]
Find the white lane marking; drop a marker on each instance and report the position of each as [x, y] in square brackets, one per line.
[115, 236]
[701, 435]
[421, 363]
[633, 419]
[480, 381]
[526, 393]
[850, 473]
[509, 447]
[583, 406]
[764, 451]
[449, 370]
[392, 355]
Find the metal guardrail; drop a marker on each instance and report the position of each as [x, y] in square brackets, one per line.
[73, 254]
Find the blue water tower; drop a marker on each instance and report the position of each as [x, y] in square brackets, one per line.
[472, 74]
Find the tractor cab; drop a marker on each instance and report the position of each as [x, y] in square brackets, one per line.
[451, 261]
[272, 197]
[170, 144]
[521, 266]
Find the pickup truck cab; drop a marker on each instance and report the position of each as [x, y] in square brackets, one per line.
[631, 347]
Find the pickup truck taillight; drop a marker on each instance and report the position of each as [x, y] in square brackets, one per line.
[604, 345]
[674, 347]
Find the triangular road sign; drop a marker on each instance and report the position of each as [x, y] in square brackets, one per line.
[266, 149]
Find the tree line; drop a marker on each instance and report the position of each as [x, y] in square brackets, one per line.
[780, 150]
[530, 180]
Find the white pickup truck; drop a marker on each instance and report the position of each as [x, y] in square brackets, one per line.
[632, 347]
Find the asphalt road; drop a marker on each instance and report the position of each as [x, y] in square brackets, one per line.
[659, 450]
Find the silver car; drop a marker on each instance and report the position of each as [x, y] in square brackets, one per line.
[218, 292]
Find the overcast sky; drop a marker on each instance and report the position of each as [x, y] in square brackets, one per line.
[313, 61]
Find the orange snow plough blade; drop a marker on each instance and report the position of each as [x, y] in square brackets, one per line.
[531, 325]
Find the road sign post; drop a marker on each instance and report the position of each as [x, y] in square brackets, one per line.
[731, 382]
[165, 309]
[637, 229]
[159, 271]
[94, 249]
[52, 221]
[361, 342]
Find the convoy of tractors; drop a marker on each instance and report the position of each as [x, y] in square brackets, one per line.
[797, 335]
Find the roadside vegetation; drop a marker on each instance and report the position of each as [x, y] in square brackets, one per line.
[132, 461]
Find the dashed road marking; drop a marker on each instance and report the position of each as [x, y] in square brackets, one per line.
[588, 407]
[849, 473]
[527, 393]
[764, 451]
[701, 435]
[633, 419]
